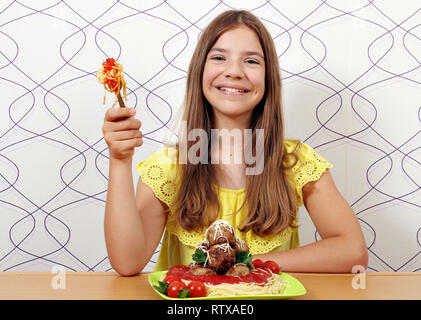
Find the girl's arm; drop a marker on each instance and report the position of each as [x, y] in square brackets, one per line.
[133, 224]
[342, 246]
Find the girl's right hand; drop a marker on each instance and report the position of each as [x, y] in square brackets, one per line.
[121, 132]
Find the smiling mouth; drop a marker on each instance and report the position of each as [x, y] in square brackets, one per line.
[232, 90]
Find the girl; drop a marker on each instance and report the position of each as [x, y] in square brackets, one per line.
[233, 84]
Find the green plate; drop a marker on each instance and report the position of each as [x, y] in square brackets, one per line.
[294, 289]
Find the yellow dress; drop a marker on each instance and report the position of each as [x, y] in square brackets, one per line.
[158, 172]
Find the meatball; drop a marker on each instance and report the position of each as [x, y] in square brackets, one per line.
[199, 270]
[220, 232]
[221, 257]
[240, 245]
[238, 270]
[204, 246]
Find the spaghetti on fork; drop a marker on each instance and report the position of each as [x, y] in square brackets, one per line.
[111, 75]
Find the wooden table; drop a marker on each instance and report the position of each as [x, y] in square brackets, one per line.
[102, 286]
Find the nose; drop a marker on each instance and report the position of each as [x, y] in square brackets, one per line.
[234, 70]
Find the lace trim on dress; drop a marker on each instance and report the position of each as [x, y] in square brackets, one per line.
[306, 170]
[156, 177]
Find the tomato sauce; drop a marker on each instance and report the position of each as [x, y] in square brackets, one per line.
[258, 276]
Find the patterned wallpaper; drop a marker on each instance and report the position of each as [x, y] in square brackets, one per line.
[351, 89]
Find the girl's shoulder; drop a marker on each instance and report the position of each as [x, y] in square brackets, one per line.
[166, 155]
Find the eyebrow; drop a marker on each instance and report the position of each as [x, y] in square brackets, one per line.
[248, 53]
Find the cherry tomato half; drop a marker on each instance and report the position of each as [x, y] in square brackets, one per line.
[197, 289]
[258, 263]
[174, 288]
[171, 278]
[272, 266]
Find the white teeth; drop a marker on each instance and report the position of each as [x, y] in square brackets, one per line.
[231, 90]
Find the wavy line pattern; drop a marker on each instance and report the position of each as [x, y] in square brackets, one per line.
[352, 85]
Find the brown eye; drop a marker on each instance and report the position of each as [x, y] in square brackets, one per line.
[252, 61]
[217, 58]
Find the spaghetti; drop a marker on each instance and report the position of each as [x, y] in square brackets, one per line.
[275, 285]
[111, 75]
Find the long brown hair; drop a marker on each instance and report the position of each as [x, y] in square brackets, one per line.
[270, 200]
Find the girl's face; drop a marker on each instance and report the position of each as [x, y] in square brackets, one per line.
[234, 74]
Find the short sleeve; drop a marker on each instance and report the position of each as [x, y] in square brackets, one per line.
[158, 171]
[309, 167]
